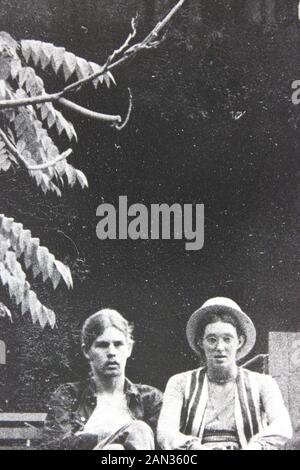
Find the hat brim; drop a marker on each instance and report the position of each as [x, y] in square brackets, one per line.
[246, 325]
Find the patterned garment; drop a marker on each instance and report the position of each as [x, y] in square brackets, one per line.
[247, 416]
[72, 405]
[257, 415]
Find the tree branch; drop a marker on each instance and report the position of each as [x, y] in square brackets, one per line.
[15, 152]
[149, 42]
[53, 162]
[88, 113]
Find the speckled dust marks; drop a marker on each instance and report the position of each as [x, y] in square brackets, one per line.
[213, 122]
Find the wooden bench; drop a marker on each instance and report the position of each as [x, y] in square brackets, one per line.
[21, 430]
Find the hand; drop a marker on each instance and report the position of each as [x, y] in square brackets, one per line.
[113, 447]
[254, 446]
[196, 445]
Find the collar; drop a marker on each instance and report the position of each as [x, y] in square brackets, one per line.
[130, 389]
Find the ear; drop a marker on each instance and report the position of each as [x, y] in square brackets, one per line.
[130, 348]
[241, 341]
[85, 352]
[200, 343]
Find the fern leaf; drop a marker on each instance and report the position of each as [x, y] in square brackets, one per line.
[34, 86]
[35, 256]
[39, 148]
[5, 163]
[46, 54]
[6, 157]
[20, 291]
[82, 179]
[5, 312]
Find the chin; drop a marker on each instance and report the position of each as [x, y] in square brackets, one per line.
[112, 373]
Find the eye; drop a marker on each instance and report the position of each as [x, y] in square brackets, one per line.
[102, 345]
[211, 341]
[227, 339]
[119, 344]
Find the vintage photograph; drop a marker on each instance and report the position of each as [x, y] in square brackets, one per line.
[149, 227]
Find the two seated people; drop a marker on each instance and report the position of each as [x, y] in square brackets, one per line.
[217, 407]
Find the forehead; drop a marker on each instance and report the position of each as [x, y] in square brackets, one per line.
[111, 334]
[220, 328]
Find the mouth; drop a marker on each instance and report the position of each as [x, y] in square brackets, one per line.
[220, 358]
[112, 364]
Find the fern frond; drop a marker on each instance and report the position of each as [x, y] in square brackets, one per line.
[34, 86]
[5, 312]
[6, 157]
[38, 258]
[15, 243]
[19, 290]
[47, 55]
[7, 115]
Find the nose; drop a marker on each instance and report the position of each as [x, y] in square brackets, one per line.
[111, 352]
[220, 345]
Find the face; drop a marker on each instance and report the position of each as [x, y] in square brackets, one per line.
[220, 344]
[109, 353]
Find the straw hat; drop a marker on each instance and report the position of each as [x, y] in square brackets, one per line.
[219, 305]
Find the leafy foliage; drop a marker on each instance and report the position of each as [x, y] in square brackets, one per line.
[16, 243]
[28, 127]
[57, 58]
[27, 133]
[4, 311]
[29, 123]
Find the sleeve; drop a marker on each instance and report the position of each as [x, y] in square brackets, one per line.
[168, 432]
[153, 404]
[278, 430]
[59, 429]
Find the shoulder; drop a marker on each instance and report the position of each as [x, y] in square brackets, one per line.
[144, 389]
[146, 392]
[69, 391]
[264, 381]
[150, 396]
[179, 381]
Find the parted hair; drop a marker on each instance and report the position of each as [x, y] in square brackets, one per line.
[95, 325]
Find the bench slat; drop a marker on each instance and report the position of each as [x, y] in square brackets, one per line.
[20, 433]
[23, 417]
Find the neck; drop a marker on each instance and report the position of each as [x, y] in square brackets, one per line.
[109, 384]
[222, 374]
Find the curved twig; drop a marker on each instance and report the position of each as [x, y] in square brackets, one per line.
[120, 127]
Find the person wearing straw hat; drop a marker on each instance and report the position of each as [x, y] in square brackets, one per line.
[222, 406]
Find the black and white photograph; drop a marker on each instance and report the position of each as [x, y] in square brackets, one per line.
[149, 227]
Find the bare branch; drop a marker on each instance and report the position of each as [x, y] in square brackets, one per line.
[159, 27]
[53, 162]
[149, 42]
[90, 114]
[6, 104]
[15, 152]
[126, 43]
[120, 127]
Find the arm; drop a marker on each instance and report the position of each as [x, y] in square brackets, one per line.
[61, 423]
[153, 404]
[278, 430]
[168, 431]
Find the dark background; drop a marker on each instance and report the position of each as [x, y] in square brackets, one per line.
[184, 144]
